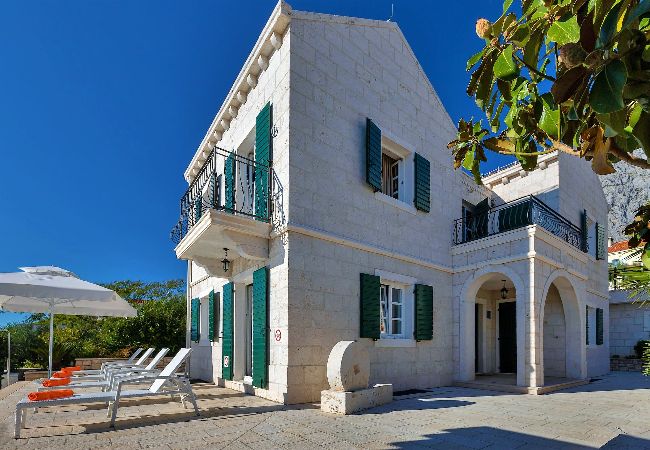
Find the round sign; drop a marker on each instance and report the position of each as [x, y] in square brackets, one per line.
[278, 335]
[226, 361]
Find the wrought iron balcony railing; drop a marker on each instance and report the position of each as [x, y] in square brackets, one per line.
[232, 183]
[517, 214]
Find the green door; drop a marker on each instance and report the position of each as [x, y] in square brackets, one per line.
[228, 335]
[260, 327]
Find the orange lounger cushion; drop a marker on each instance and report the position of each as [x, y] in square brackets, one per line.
[71, 369]
[60, 375]
[56, 382]
[50, 395]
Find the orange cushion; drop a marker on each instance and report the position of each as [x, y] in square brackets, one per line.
[56, 382]
[50, 395]
[60, 375]
[71, 369]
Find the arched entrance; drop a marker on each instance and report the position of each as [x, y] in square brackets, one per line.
[491, 325]
[563, 353]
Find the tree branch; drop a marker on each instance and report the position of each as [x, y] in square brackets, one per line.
[629, 158]
[557, 145]
[534, 70]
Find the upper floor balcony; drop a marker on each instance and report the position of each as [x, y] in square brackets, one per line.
[529, 210]
[229, 205]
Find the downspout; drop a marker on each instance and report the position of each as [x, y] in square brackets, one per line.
[188, 317]
[530, 313]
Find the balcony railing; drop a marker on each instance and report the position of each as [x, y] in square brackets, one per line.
[516, 214]
[232, 183]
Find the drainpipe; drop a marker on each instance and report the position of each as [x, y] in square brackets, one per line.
[530, 316]
[188, 315]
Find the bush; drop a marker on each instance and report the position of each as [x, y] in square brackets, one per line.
[640, 347]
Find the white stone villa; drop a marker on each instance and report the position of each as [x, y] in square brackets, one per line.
[325, 175]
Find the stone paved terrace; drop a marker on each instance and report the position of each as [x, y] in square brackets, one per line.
[613, 412]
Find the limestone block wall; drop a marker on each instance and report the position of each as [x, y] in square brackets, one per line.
[628, 323]
[324, 309]
[554, 335]
[343, 71]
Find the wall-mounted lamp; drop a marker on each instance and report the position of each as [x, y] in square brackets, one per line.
[504, 290]
[225, 261]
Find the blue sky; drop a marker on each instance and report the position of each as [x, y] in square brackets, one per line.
[103, 103]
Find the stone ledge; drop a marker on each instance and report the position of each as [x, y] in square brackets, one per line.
[342, 403]
[625, 365]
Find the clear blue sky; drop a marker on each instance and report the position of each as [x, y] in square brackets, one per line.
[103, 104]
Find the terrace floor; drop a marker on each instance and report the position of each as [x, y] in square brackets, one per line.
[613, 412]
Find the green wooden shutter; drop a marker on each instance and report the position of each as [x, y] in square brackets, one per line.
[195, 318]
[479, 219]
[213, 191]
[369, 306]
[228, 332]
[263, 158]
[211, 306]
[599, 326]
[601, 242]
[229, 182]
[587, 324]
[422, 198]
[261, 327]
[373, 156]
[423, 312]
[584, 231]
[515, 216]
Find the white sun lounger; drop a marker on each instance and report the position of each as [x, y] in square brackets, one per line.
[99, 374]
[163, 384]
[110, 376]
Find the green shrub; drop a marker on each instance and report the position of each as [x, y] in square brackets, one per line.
[640, 347]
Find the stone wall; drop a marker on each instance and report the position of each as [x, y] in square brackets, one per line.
[554, 335]
[629, 323]
[625, 365]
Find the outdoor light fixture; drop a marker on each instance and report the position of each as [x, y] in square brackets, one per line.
[225, 261]
[504, 290]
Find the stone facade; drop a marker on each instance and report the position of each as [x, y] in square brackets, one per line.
[325, 75]
[629, 323]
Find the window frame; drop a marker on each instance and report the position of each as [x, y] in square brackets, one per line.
[401, 152]
[406, 285]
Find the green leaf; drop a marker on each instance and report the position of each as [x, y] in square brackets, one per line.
[614, 122]
[468, 161]
[506, 5]
[521, 35]
[505, 67]
[564, 31]
[608, 30]
[640, 9]
[474, 59]
[550, 116]
[641, 131]
[531, 50]
[607, 91]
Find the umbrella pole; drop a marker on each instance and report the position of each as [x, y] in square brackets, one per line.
[49, 371]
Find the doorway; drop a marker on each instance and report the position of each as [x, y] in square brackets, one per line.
[248, 367]
[507, 337]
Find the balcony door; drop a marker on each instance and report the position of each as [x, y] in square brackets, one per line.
[507, 337]
[246, 185]
[248, 368]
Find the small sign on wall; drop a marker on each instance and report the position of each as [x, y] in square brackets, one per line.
[226, 361]
[278, 335]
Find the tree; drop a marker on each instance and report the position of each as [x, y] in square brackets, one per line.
[160, 323]
[570, 76]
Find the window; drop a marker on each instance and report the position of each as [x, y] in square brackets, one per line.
[390, 179]
[391, 310]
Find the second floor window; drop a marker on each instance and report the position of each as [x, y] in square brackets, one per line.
[390, 175]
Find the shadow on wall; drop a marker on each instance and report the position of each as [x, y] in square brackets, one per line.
[502, 439]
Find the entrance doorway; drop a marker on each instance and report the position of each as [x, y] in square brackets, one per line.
[248, 368]
[507, 337]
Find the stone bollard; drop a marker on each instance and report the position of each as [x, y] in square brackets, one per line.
[348, 373]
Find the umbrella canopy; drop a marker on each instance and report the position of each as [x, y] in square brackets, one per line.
[49, 289]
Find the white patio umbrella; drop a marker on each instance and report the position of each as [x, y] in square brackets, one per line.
[52, 290]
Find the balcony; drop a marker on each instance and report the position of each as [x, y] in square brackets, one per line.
[230, 204]
[519, 213]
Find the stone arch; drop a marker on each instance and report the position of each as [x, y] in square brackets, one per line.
[572, 305]
[467, 300]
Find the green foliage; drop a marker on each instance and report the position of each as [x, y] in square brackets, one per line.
[563, 75]
[160, 323]
[640, 347]
[646, 360]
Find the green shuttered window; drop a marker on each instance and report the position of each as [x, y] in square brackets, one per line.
[195, 319]
[423, 312]
[422, 200]
[601, 242]
[599, 326]
[198, 208]
[227, 339]
[584, 231]
[229, 182]
[261, 327]
[373, 155]
[263, 158]
[369, 308]
[213, 316]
